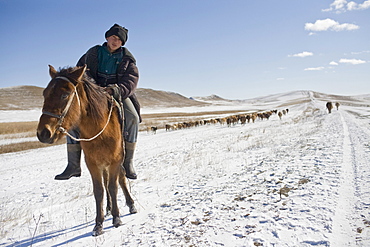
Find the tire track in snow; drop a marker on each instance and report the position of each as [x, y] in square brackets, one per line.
[342, 230]
[360, 139]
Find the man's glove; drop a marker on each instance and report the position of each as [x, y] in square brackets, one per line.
[113, 90]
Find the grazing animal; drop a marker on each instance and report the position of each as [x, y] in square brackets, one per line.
[243, 119]
[72, 100]
[337, 105]
[253, 117]
[223, 121]
[153, 129]
[234, 119]
[329, 106]
[280, 114]
[267, 115]
[168, 127]
[228, 121]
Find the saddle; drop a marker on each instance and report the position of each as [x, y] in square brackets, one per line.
[119, 105]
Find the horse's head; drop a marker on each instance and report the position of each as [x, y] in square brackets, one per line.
[61, 109]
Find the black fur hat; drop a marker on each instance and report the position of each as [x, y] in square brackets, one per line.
[119, 31]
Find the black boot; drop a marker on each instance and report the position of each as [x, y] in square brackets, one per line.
[73, 168]
[128, 164]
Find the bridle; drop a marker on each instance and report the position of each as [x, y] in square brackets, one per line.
[66, 109]
[69, 103]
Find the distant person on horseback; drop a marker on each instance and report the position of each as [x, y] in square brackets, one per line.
[113, 67]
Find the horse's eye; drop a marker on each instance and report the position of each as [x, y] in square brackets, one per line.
[64, 96]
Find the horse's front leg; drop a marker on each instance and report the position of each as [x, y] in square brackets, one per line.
[98, 194]
[113, 189]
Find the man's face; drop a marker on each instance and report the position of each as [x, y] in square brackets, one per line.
[113, 43]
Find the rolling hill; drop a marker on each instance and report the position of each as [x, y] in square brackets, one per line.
[30, 97]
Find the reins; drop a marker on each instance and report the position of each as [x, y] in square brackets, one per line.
[64, 131]
[66, 109]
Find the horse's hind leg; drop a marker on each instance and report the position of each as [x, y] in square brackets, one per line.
[109, 200]
[129, 200]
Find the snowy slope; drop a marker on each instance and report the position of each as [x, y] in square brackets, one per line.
[300, 181]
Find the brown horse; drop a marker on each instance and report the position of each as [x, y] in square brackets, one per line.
[72, 100]
[337, 105]
[329, 106]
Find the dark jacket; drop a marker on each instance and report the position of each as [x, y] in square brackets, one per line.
[127, 77]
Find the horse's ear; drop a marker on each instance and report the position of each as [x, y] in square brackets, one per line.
[52, 71]
[78, 73]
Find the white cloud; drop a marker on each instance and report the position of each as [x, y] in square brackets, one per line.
[302, 54]
[314, 69]
[360, 52]
[333, 63]
[352, 61]
[337, 5]
[352, 5]
[365, 5]
[340, 6]
[329, 24]
[280, 79]
[358, 6]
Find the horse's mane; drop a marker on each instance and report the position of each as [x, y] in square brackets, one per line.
[97, 98]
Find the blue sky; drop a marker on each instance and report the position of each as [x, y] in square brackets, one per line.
[237, 49]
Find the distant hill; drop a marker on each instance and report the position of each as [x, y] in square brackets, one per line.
[30, 97]
[156, 98]
[212, 98]
[21, 98]
[301, 96]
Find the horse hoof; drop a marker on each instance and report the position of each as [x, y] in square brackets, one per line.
[117, 222]
[133, 210]
[98, 230]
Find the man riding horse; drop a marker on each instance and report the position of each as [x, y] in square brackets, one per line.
[113, 67]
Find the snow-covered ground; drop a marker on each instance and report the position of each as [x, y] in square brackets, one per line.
[300, 181]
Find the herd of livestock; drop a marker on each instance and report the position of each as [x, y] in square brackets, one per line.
[229, 121]
[233, 119]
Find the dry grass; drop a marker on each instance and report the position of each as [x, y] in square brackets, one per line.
[18, 127]
[17, 147]
[16, 130]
